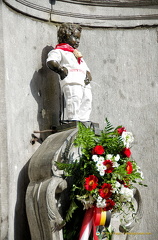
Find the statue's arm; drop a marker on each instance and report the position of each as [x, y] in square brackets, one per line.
[88, 78]
[56, 67]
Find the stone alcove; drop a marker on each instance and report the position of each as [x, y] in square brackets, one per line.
[127, 49]
[101, 13]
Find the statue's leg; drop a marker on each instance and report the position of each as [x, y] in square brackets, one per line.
[73, 96]
[86, 104]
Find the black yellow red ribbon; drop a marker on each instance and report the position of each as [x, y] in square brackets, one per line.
[94, 217]
[101, 217]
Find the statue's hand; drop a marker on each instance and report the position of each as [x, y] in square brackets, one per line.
[88, 78]
[63, 72]
[56, 67]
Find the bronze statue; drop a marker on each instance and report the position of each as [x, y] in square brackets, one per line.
[74, 74]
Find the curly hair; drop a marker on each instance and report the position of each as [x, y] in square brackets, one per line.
[66, 30]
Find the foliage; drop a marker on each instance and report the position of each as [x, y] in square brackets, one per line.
[105, 174]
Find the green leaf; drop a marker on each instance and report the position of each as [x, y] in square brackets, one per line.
[108, 127]
[85, 139]
[72, 208]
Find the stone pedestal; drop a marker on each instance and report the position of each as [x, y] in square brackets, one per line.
[45, 198]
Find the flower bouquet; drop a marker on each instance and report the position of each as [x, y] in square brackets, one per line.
[103, 179]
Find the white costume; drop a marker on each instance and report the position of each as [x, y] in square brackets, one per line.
[78, 96]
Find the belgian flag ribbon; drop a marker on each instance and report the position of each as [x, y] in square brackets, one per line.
[94, 217]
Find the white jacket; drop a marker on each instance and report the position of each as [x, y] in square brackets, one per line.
[76, 71]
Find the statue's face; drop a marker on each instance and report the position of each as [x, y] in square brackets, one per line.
[74, 39]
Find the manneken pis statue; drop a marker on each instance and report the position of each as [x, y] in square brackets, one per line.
[75, 76]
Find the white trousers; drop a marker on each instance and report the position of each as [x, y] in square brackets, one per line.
[78, 102]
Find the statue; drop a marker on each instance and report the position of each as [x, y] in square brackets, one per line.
[74, 74]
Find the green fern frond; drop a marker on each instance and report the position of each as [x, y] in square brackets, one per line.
[67, 167]
[108, 127]
[85, 139]
[72, 208]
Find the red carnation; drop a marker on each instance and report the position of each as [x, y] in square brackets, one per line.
[98, 150]
[129, 167]
[126, 152]
[109, 166]
[121, 130]
[109, 204]
[91, 182]
[105, 191]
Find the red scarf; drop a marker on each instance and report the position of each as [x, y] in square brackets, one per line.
[67, 47]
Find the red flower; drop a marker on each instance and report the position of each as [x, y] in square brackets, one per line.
[109, 166]
[105, 191]
[126, 152]
[98, 150]
[109, 204]
[129, 167]
[91, 182]
[121, 130]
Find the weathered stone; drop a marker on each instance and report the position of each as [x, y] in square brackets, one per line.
[4, 198]
[43, 201]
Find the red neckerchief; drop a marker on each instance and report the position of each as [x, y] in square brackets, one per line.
[67, 47]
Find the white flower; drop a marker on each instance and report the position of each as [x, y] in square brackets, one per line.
[109, 156]
[87, 202]
[117, 184]
[99, 165]
[101, 203]
[115, 164]
[126, 194]
[117, 157]
[127, 138]
[100, 162]
[140, 172]
[95, 158]
[99, 199]
[115, 188]
[102, 173]
[101, 159]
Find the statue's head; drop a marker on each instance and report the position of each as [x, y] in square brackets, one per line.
[70, 33]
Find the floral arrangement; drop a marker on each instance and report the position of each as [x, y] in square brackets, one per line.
[105, 173]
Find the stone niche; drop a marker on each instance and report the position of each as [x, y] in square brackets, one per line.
[92, 13]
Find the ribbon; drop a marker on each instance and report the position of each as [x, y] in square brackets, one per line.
[94, 217]
[101, 217]
[67, 47]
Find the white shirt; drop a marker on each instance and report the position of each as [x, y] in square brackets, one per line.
[76, 71]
